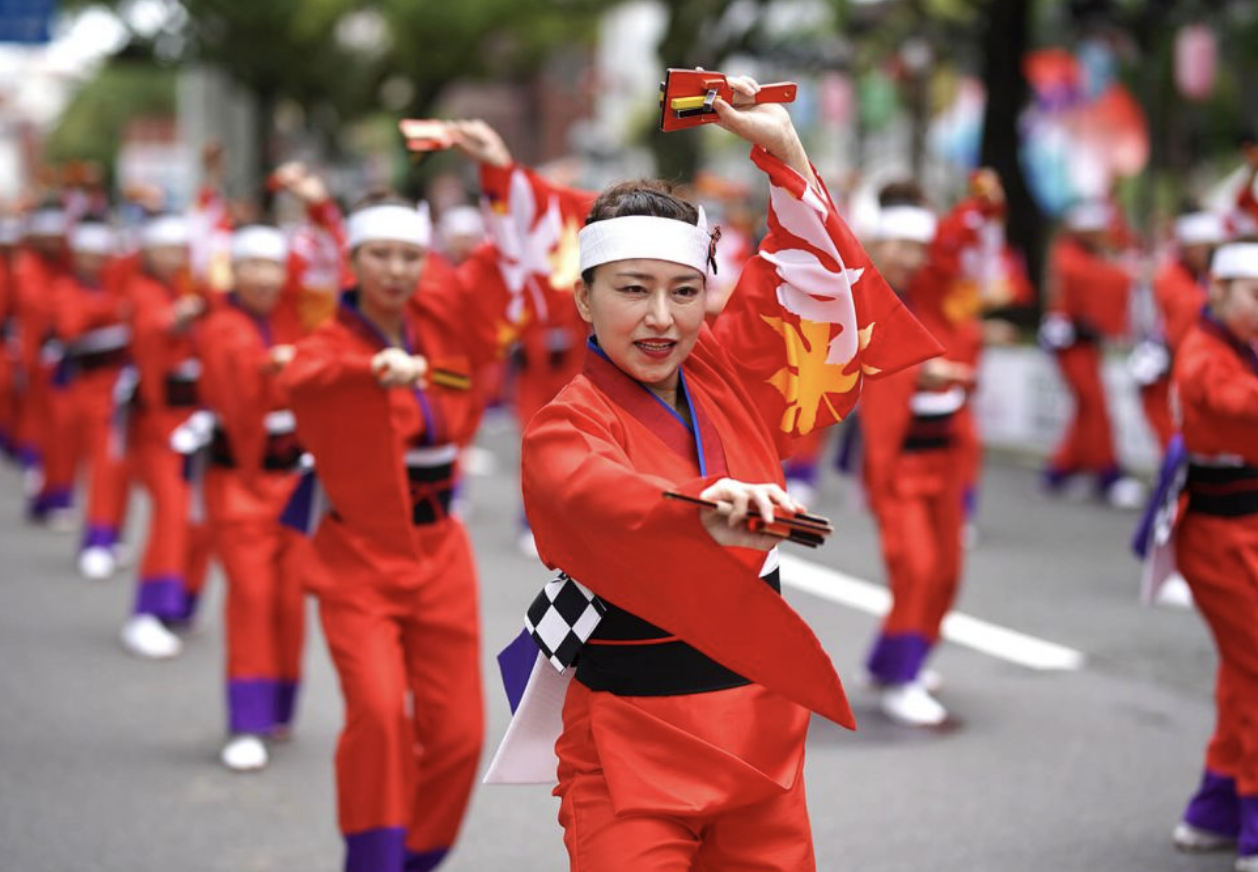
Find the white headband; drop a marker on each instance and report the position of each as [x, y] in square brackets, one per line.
[646, 237]
[47, 222]
[92, 237]
[1089, 216]
[165, 231]
[1200, 228]
[910, 223]
[391, 223]
[259, 243]
[1236, 260]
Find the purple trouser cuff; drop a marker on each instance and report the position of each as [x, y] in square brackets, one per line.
[896, 659]
[188, 610]
[424, 861]
[251, 705]
[52, 499]
[163, 596]
[100, 536]
[378, 850]
[285, 702]
[1215, 806]
[28, 456]
[1248, 846]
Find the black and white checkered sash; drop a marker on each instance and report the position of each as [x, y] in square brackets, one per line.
[562, 618]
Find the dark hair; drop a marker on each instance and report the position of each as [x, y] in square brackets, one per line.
[904, 192]
[652, 197]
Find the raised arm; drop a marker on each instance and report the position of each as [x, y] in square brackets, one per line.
[810, 317]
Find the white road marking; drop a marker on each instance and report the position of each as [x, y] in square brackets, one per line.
[979, 635]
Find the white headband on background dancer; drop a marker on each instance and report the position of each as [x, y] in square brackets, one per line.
[165, 231]
[647, 237]
[47, 221]
[1200, 228]
[1236, 260]
[92, 237]
[390, 223]
[906, 223]
[259, 242]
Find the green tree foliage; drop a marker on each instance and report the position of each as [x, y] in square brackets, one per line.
[92, 125]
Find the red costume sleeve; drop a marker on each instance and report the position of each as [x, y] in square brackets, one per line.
[1090, 288]
[811, 317]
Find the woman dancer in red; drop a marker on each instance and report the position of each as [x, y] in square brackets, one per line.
[683, 731]
[254, 458]
[384, 397]
[1216, 544]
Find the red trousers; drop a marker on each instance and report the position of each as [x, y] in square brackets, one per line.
[408, 659]
[265, 564]
[1219, 559]
[62, 444]
[8, 399]
[177, 551]
[94, 443]
[1156, 401]
[710, 781]
[1088, 444]
[920, 524]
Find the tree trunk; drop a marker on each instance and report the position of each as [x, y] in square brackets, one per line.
[1005, 42]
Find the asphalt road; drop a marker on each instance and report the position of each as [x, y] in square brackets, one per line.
[109, 764]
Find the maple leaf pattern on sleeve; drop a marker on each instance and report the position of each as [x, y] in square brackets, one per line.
[811, 317]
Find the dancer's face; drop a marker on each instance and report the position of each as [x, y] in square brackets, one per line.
[646, 315]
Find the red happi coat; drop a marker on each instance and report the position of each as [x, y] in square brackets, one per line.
[1216, 379]
[809, 320]
[340, 408]
[237, 387]
[1089, 289]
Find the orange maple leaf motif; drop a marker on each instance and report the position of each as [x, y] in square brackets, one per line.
[808, 380]
[823, 350]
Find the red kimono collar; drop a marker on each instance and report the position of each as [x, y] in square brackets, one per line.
[700, 444]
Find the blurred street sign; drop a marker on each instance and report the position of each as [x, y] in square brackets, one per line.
[26, 21]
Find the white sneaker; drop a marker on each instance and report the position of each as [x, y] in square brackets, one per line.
[146, 636]
[1247, 864]
[912, 705]
[1175, 593]
[1126, 493]
[1195, 840]
[244, 753]
[97, 563]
